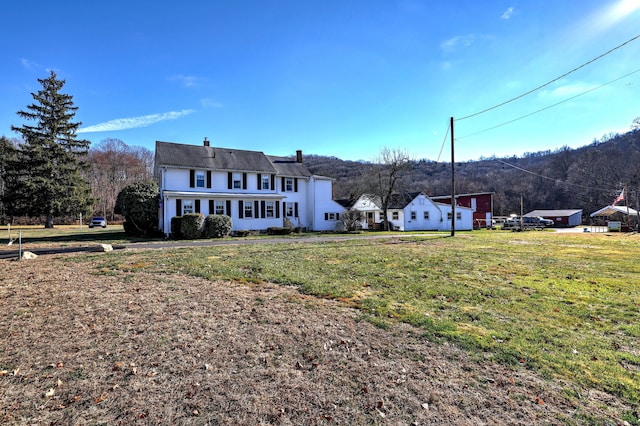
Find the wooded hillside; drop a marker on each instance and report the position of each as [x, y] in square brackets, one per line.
[586, 178]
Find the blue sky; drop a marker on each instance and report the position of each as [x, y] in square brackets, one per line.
[340, 78]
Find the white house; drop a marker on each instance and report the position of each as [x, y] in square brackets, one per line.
[256, 190]
[412, 212]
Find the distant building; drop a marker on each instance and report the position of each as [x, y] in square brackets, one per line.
[560, 218]
[481, 203]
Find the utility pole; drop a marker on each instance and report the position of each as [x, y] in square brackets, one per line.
[453, 185]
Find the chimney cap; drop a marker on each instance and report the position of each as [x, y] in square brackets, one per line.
[206, 141]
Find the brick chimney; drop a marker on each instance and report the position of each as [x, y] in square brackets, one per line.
[206, 141]
[299, 156]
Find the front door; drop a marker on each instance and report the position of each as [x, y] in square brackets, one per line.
[371, 220]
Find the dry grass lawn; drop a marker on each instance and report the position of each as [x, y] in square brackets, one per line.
[78, 348]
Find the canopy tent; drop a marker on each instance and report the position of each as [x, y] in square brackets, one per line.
[611, 210]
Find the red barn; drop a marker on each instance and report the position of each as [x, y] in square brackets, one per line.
[481, 203]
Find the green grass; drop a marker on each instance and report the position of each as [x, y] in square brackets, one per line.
[566, 306]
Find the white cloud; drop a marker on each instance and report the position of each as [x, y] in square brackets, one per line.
[569, 90]
[507, 14]
[29, 64]
[134, 122]
[453, 43]
[210, 103]
[187, 80]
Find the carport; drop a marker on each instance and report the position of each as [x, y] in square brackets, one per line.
[617, 218]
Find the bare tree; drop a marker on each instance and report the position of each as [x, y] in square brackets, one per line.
[115, 165]
[385, 177]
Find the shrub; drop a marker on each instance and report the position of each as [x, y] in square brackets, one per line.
[278, 230]
[138, 203]
[176, 224]
[351, 220]
[191, 225]
[217, 226]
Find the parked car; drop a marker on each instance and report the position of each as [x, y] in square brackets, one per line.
[537, 221]
[98, 221]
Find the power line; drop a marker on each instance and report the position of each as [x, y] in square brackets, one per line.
[444, 141]
[549, 106]
[550, 82]
[550, 178]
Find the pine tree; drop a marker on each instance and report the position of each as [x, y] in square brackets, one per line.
[52, 159]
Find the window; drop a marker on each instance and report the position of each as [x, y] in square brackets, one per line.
[288, 209]
[394, 216]
[449, 216]
[248, 209]
[265, 181]
[269, 208]
[426, 215]
[187, 206]
[237, 181]
[414, 215]
[332, 216]
[219, 207]
[288, 184]
[199, 179]
[458, 216]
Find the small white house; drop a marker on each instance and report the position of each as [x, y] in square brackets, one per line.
[256, 190]
[412, 212]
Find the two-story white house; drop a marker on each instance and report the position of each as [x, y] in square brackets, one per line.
[412, 212]
[256, 190]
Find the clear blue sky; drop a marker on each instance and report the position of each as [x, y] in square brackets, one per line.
[329, 77]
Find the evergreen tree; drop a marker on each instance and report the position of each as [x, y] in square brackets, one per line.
[7, 159]
[52, 159]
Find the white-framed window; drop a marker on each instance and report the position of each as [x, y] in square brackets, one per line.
[266, 181]
[269, 209]
[288, 209]
[219, 207]
[458, 216]
[199, 179]
[449, 216]
[331, 216]
[414, 215]
[288, 184]
[237, 181]
[426, 215]
[187, 206]
[395, 216]
[248, 209]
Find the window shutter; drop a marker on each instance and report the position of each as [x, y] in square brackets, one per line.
[178, 207]
[263, 206]
[277, 209]
[192, 178]
[211, 207]
[244, 181]
[337, 216]
[295, 186]
[282, 188]
[295, 209]
[230, 180]
[259, 181]
[197, 206]
[326, 216]
[208, 178]
[273, 182]
[240, 209]
[256, 208]
[228, 208]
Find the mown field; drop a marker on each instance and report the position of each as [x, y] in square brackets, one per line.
[563, 307]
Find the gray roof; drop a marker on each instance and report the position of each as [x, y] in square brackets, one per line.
[286, 166]
[555, 213]
[212, 158]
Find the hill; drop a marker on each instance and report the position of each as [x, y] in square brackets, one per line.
[586, 178]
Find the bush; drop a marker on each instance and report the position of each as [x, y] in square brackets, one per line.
[278, 230]
[217, 226]
[176, 224]
[191, 225]
[138, 203]
[351, 220]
